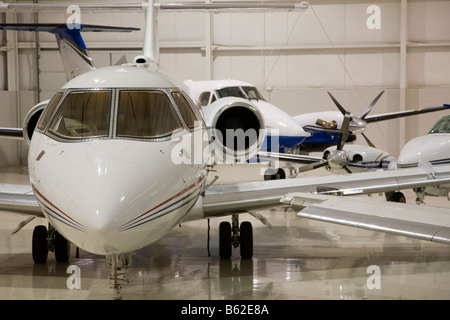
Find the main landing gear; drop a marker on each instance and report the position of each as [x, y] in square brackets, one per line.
[233, 235]
[274, 174]
[395, 197]
[49, 240]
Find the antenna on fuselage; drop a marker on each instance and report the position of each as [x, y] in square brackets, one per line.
[150, 51]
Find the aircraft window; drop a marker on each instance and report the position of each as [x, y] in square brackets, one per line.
[146, 114]
[442, 126]
[231, 92]
[253, 93]
[48, 111]
[203, 100]
[189, 111]
[83, 114]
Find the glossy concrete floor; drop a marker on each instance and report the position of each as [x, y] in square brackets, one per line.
[295, 259]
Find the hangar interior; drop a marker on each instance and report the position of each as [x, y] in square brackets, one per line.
[352, 48]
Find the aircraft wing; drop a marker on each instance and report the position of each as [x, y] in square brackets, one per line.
[11, 133]
[245, 196]
[421, 222]
[400, 114]
[297, 158]
[321, 198]
[19, 199]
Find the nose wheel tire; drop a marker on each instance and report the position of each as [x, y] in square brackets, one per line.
[62, 248]
[45, 241]
[39, 247]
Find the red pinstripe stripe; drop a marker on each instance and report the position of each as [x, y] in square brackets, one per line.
[53, 206]
[168, 200]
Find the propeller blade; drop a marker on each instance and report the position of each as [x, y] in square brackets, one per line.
[344, 131]
[347, 169]
[368, 141]
[313, 166]
[369, 108]
[343, 111]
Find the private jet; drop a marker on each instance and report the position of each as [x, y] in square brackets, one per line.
[120, 155]
[300, 134]
[289, 134]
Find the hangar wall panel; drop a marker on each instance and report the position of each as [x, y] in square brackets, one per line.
[294, 58]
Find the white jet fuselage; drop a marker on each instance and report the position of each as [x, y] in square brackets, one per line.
[434, 148]
[113, 194]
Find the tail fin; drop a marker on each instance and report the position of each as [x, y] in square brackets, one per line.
[73, 51]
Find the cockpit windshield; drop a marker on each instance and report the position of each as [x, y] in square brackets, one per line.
[253, 93]
[442, 126]
[248, 93]
[119, 113]
[231, 92]
[146, 114]
[82, 114]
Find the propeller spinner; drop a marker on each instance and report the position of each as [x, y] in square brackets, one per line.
[338, 158]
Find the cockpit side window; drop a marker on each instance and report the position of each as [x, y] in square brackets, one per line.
[146, 114]
[83, 114]
[188, 110]
[203, 100]
[442, 126]
[48, 111]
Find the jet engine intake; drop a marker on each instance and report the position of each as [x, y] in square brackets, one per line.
[236, 129]
[31, 120]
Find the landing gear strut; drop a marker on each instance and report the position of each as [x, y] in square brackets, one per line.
[420, 195]
[233, 235]
[49, 240]
[119, 272]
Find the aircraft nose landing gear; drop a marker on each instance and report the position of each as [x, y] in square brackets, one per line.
[119, 272]
[233, 235]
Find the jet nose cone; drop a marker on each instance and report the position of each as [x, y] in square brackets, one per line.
[432, 148]
[89, 189]
[112, 191]
[90, 214]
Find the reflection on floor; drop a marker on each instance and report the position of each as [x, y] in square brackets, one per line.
[296, 259]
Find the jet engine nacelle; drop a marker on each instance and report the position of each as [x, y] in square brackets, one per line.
[236, 129]
[31, 120]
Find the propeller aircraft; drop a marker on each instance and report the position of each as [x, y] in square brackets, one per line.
[425, 151]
